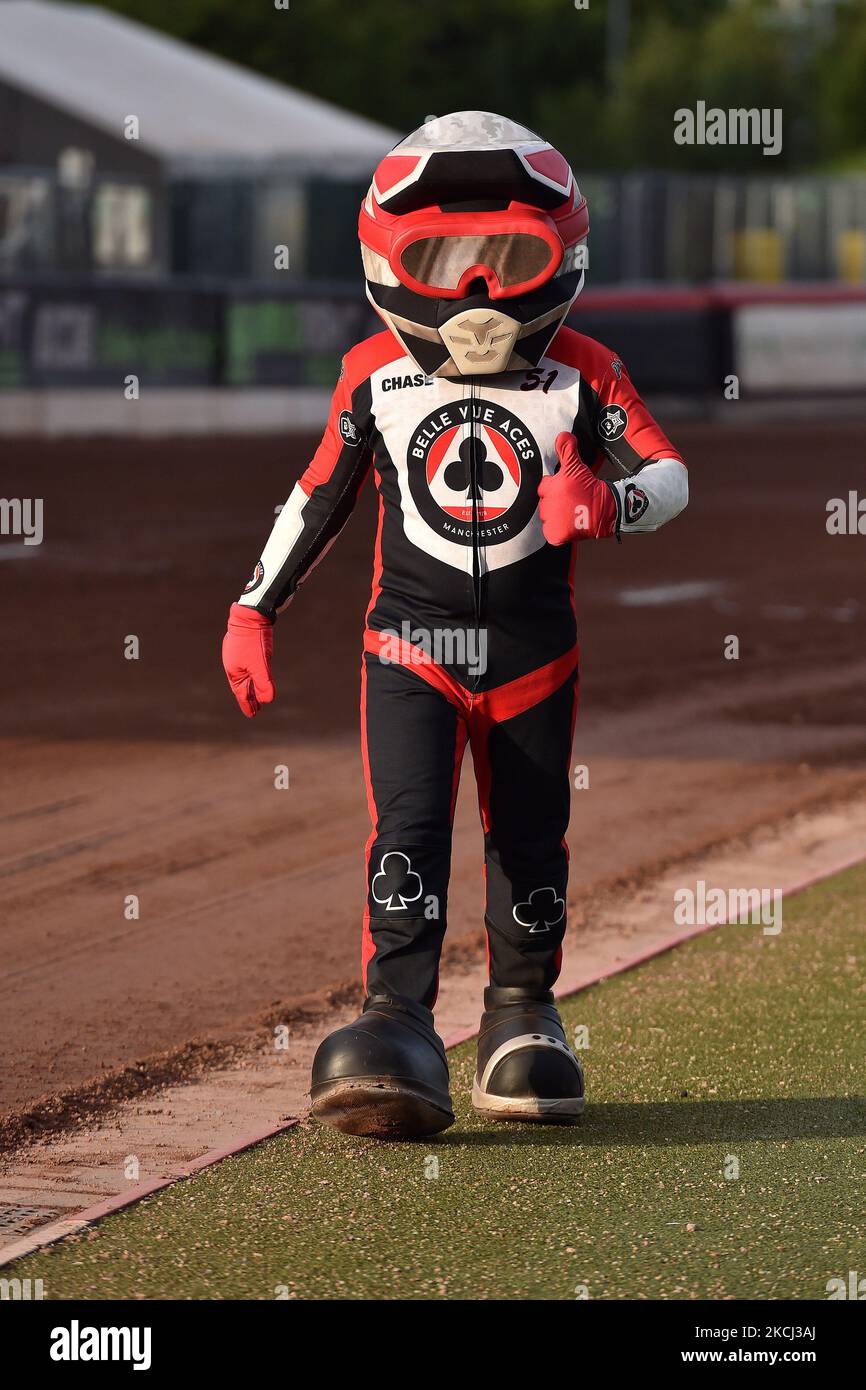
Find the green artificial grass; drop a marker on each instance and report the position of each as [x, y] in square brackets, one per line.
[735, 1053]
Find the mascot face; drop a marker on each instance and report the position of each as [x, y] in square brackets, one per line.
[473, 239]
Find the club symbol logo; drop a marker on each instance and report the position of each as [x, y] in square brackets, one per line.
[396, 885]
[613, 423]
[542, 910]
[458, 474]
[478, 474]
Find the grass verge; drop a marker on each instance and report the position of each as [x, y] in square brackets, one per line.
[722, 1155]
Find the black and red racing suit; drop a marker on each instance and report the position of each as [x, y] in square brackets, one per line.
[471, 633]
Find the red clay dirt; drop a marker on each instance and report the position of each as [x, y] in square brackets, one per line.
[141, 777]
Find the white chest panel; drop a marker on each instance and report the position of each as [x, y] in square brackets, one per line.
[428, 425]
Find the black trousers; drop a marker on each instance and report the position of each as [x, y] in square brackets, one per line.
[416, 722]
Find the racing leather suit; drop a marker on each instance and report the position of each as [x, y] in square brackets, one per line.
[471, 633]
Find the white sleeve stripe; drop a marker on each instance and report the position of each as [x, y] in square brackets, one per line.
[283, 538]
[655, 494]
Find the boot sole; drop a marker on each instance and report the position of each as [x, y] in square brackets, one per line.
[528, 1109]
[381, 1107]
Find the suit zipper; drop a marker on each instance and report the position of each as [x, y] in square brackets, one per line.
[476, 541]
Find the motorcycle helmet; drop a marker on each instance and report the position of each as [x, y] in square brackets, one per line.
[473, 240]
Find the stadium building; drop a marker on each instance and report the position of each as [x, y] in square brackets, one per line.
[123, 150]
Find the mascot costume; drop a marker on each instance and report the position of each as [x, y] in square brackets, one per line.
[485, 422]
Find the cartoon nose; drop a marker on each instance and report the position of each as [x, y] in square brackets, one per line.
[477, 285]
[479, 279]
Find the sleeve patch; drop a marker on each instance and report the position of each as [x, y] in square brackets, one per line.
[255, 578]
[349, 432]
[635, 503]
[612, 423]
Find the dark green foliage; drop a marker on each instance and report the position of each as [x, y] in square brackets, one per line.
[544, 62]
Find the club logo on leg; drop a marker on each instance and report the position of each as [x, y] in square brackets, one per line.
[396, 885]
[543, 909]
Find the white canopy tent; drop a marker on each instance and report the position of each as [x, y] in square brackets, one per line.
[195, 112]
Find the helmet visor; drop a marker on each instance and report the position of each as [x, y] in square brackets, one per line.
[510, 262]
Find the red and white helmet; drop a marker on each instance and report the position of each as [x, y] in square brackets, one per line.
[473, 238]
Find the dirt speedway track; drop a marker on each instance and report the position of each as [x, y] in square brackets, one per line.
[140, 777]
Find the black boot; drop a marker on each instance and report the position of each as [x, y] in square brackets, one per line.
[526, 1069]
[385, 1075]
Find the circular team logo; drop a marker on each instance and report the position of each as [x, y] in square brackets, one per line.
[474, 457]
[348, 429]
[612, 423]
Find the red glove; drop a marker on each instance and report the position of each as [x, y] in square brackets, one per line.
[575, 505]
[247, 650]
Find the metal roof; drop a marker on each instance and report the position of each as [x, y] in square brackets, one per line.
[194, 109]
